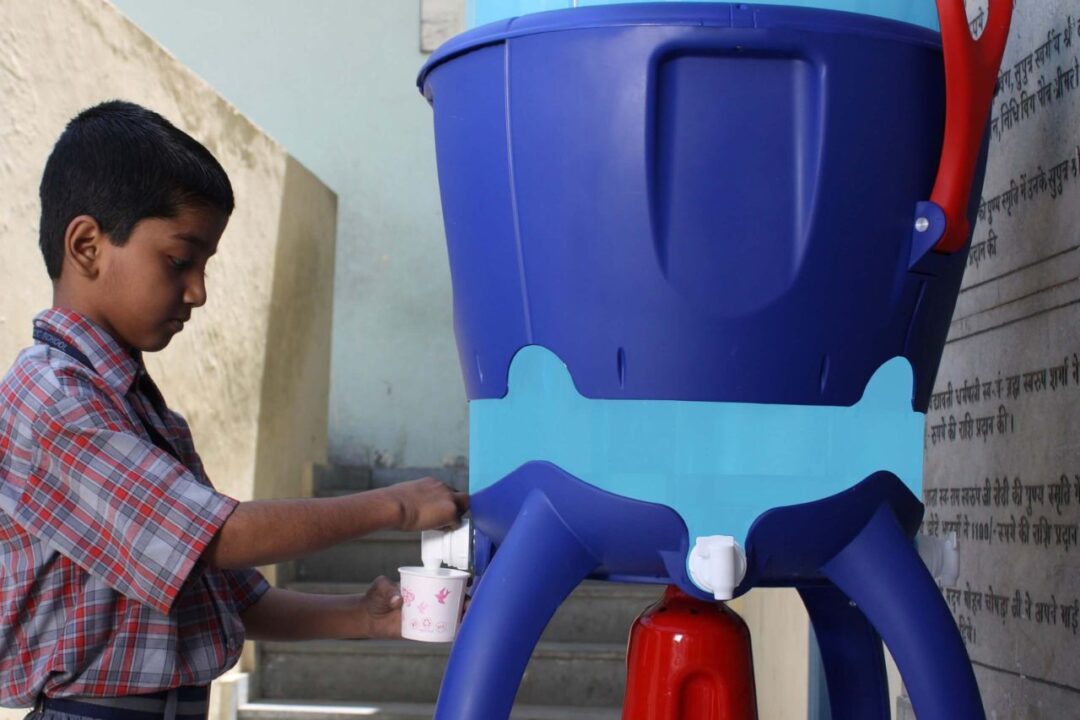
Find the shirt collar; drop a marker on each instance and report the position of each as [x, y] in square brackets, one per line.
[117, 366]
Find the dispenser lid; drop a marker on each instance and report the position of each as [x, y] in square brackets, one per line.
[918, 12]
[693, 14]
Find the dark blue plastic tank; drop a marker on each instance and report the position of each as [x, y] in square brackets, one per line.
[693, 202]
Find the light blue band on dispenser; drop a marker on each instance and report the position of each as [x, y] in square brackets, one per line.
[719, 465]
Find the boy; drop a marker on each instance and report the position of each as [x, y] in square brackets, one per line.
[127, 580]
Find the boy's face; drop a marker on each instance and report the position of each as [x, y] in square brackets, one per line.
[149, 286]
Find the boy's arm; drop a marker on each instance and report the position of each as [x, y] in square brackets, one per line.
[287, 615]
[262, 532]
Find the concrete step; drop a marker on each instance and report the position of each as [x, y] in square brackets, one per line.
[377, 671]
[328, 480]
[360, 561]
[339, 479]
[595, 612]
[302, 710]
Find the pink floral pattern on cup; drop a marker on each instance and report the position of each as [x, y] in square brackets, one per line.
[432, 602]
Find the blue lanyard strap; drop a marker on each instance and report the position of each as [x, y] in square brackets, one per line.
[146, 385]
[55, 341]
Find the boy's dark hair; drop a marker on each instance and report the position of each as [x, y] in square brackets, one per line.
[121, 163]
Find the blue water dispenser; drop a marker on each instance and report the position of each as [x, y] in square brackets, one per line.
[704, 258]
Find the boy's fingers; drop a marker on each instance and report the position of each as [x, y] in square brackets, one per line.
[461, 502]
[386, 595]
[383, 586]
[461, 506]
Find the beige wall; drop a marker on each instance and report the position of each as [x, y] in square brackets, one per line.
[251, 370]
[780, 637]
[295, 357]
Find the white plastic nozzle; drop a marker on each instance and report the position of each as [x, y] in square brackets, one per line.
[717, 565]
[452, 547]
[941, 557]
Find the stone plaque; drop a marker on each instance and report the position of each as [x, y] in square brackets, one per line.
[1003, 426]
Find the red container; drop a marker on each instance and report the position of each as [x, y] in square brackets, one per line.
[689, 660]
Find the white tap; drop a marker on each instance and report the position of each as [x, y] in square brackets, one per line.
[452, 547]
[717, 564]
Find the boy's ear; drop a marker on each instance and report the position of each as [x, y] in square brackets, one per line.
[83, 243]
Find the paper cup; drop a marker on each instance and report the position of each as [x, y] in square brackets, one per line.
[431, 602]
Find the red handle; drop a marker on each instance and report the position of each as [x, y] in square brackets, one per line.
[971, 70]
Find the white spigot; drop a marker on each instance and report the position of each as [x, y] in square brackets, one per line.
[717, 565]
[941, 557]
[452, 547]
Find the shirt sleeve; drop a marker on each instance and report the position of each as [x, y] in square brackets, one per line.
[246, 587]
[115, 504]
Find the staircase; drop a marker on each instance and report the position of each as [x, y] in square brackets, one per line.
[577, 671]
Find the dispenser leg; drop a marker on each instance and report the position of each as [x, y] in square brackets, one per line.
[851, 653]
[881, 572]
[538, 564]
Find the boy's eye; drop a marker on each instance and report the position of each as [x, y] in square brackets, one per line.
[179, 263]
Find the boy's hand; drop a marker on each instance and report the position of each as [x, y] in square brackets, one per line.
[381, 610]
[428, 504]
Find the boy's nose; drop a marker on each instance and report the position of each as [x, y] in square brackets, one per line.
[195, 291]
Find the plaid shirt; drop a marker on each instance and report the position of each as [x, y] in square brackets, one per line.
[102, 590]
